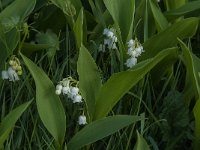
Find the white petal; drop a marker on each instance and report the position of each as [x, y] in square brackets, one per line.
[12, 74]
[59, 87]
[4, 74]
[114, 46]
[139, 51]
[74, 90]
[77, 99]
[82, 120]
[65, 90]
[58, 92]
[105, 31]
[131, 62]
[110, 34]
[131, 43]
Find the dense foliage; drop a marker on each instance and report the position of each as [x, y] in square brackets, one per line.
[99, 74]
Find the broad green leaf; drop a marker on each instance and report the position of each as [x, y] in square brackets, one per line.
[29, 48]
[192, 86]
[196, 111]
[160, 19]
[141, 144]
[183, 10]
[78, 29]
[62, 3]
[8, 42]
[144, 24]
[168, 38]
[49, 38]
[16, 12]
[97, 11]
[69, 8]
[192, 68]
[171, 4]
[122, 13]
[49, 106]
[12, 15]
[89, 78]
[9, 121]
[120, 83]
[100, 129]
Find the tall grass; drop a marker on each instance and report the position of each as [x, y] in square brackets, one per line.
[154, 104]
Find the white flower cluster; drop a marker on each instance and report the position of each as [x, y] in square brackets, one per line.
[135, 49]
[65, 87]
[13, 71]
[72, 92]
[110, 40]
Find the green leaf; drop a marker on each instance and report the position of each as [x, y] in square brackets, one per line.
[168, 38]
[122, 13]
[171, 4]
[51, 39]
[69, 8]
[9, 121]
[100, 129]
[192, 86]
[49, 106]
[192, 68]
[78, 29]
[183, 10]
[160, 19]
[29, 48]
[89, 78]
[196, 111]
[141, 143]
[8, 42]
[12, 15]
[120, 83]
[16, 12]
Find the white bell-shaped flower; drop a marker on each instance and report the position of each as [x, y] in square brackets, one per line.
[77, 99]
[12, 74]
[65, 90]
[74, 91]
[58, 92]
[4, 75]
[82, 120]
[131, 43]
[59, 87]
[110, 34]
[131, 62]
[105, 31]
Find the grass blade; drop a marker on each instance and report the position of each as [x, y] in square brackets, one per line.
[9, 121]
